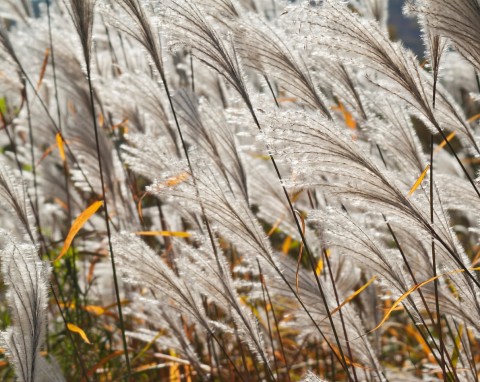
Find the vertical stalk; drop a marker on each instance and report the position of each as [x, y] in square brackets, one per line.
[434, 266]
[107, 221]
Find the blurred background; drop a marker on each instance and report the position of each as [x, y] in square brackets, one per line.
[403, 28]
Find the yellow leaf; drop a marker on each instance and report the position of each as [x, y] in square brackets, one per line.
[319, 268]
[286, 245]
[399, 301]
[413, 289]
[174, 372]
[444, 142]
[95, 309]
[353, 295]
[163, 233]
[147, 346]
[419, 180]
[474, 118]
[76, 329]
[77, 225]
[61, 150]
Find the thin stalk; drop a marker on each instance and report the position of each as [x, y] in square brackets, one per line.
[107, 221]
[277, 326]
[65, 164]
[434, 266]
[269, 326]
[337, 300]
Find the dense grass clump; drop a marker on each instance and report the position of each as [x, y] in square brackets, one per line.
[238, 190]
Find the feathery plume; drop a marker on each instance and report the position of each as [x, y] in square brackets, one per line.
[27, 280]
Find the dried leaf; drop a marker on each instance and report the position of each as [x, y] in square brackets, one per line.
[419, 180]
[75, 329]
[78, 224]
[287, 245]
[163, 233]
[44, 68]
[61, 149]
[444, 142]
[353, 295]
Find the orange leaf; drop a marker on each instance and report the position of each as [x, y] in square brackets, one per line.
[61, 150]
[174, 180]
[61, 203]
[286, 245]
[419, 180]
[347, 116]
[77, 225]
[163, 233]
[413, 289]
[444, 142]
[474, 118]
[101, 119]
[95, 309]
[75, 329]
[353, 295]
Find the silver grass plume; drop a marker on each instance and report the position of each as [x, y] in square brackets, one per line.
[14, 197]
[81, 12]
[231, 217]
[142, 266]
[317, 149]
[264, 50]
[27, 278]
[191, 28]
[340, 34]
[137, 22]
[390, 127]
[211, 273]
[211, 134]
[373, 9]
[435, 43]
[459, 21]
